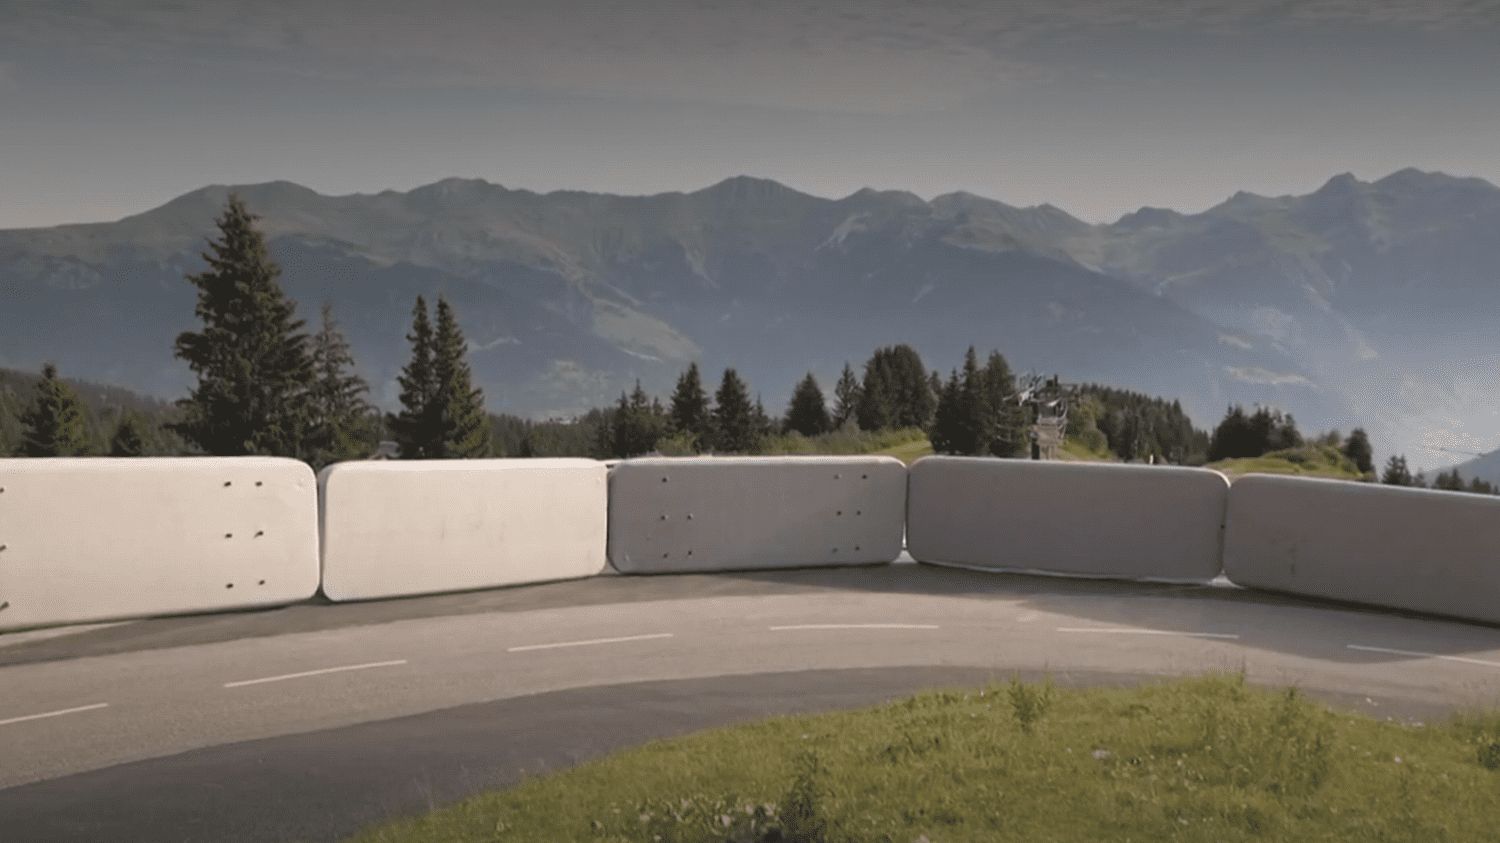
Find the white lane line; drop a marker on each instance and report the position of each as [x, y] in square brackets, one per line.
[854, 626]
[589, 642]
[1414, 653]
[47, 714]
[1129, 631]
[348, 667]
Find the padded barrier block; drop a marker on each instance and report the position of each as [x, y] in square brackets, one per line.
[748, 513]
[93, 539]
[407, 527]
[1084, 519]
[1412, 549]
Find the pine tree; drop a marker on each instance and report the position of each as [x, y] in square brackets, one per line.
[1397, 473]
[946, 434]
[734, 420]
[127, 441]
[1357, 449]
[637, 425]
[845, 397]
[689, 414]
[1007, 437]
[52, 425]
[341, 418]
[808, 412]
[251, 357]
[975, 417]
[412, 427]
[460, 426]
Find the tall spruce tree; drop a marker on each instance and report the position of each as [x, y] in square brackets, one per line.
[1357, 449]
[845, 397]
[637, 425]
[52, 424]
[127, 440]
[251, 357]
[945, 434]
[689, 413]
[1007, 432]
[975, 420]
[460, 426]
[808, 412]
[734, 422]
[1397, 473]
[412, 427]
[342, 426]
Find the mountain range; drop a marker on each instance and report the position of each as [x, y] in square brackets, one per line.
[1371, 303]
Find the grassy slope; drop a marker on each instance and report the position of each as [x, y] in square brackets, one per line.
[1197, 760]
[1308, 461]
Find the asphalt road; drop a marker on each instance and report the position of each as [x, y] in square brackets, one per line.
[310, 722]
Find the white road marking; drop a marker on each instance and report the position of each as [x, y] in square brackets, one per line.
[589, 642]
[1114, 630]
[1460, 659]
[264, 679]
[47, 714]
[854, 626]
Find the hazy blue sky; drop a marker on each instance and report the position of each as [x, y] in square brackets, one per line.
[109, 107]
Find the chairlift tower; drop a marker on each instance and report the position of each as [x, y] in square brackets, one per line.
[1045, 400]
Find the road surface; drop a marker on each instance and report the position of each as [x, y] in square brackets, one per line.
[313, 721]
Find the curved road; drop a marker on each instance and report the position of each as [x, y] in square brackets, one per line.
[312, 721]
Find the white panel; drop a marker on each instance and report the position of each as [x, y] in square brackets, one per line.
[741, 513]
[1088, 519]
[423, 526]
[104, 539]
[1400, 548]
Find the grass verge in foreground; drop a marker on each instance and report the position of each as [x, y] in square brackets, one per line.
[1207, 759]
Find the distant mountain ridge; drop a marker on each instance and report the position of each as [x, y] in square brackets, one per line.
[1321, 304]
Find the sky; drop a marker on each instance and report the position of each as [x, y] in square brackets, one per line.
[112, 107]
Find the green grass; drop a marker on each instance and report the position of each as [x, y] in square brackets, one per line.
[909, 452]
[843, 442]
[1077, 451]
[1207, 759]
[1307, 461]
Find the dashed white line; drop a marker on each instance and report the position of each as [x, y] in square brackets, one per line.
[1416, 654]
[589, 642]
[854, 626]
[1115, 630]
[343, 669]
[59, 713]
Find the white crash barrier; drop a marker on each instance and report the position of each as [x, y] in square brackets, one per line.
[744, 513]
[1085, 519]
[106, 539]
[419, 527]
[1398, 548]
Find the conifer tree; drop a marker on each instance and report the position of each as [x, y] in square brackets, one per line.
[689, 414]
[945, 434]
[460, 427]
[251, 357]
[127, 440]
[637, 425]
[52, 425]
[808, 412]
[975, 423]
[845, 397]
[341, 417]
[412, 427]
[1357, 449]
[734, 423]
[1397, 473]
[1008, 428]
